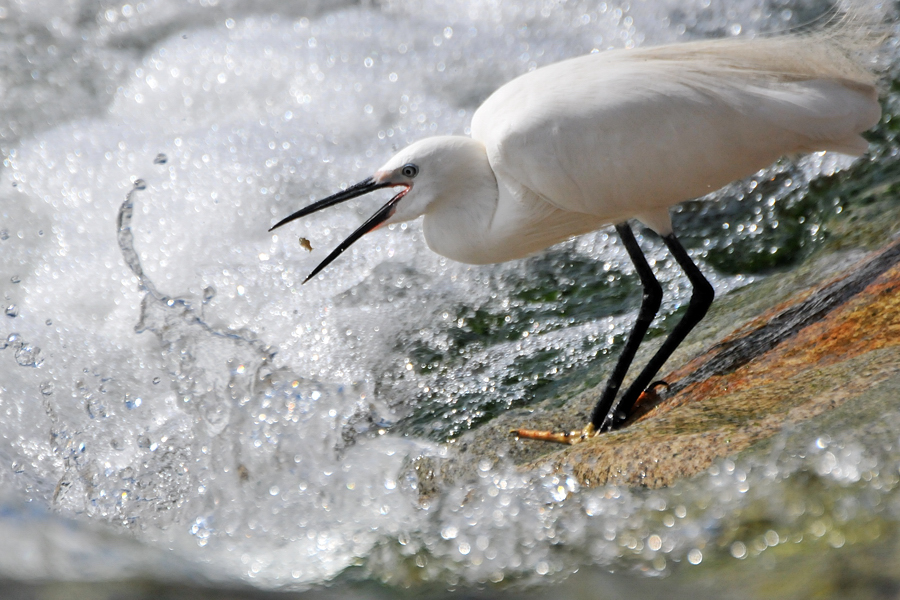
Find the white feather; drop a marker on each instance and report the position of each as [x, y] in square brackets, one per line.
[619, 133]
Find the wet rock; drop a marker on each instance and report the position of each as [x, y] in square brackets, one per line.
[818, 348]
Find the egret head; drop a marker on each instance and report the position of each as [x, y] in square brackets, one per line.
[426, 173]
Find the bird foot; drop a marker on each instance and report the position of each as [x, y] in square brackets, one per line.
[560, 437]
[648, 398]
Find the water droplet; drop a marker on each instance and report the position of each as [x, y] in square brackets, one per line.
[29, 356]
[160, 159]
[132, 403]
[14, 279]
[209, 292]
[95, 408]
[140, 184]
[47, 387]
[12, 311]
[4, 235]
[48, 322]
[156, 380]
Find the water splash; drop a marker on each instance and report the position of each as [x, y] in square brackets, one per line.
[211, 428]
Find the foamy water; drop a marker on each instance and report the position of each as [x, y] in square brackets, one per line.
[166, 378]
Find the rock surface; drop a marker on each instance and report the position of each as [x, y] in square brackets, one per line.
[819, 347]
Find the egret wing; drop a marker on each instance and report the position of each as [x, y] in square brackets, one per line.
[622, 133]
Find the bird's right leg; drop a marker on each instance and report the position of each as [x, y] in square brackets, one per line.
[650, 304]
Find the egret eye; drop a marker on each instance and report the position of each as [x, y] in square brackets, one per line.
[409, 170]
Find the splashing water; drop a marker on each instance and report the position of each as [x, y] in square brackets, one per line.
[163, 373]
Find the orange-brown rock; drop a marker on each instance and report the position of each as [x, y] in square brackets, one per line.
[799, 359]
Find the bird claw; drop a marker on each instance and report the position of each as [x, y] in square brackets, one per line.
[559, 437]
[648, 398]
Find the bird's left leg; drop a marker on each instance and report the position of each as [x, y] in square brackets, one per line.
[650, 304]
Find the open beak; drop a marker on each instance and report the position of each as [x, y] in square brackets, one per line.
[363, 187]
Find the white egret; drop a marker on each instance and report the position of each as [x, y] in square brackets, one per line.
[603, 138]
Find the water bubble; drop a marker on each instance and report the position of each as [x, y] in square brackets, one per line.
[14, 279]
[95, 408]
[29, 356]
[156, 380]
[695, 556]
[48, 322]
[209, 292]
[160, 159]
[132, 402]
[4, 235]
[140, 184]
[12, 311]
[558, 493]
[47, 387]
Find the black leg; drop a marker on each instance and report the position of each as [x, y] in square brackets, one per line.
[649, 307]
[701, 299]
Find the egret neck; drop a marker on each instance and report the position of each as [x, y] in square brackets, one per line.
[474, 219]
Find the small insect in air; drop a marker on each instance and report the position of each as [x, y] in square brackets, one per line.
[304, 243]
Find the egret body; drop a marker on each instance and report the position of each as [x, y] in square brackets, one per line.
[604, 138]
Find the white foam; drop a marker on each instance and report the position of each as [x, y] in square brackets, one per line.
[168, 416]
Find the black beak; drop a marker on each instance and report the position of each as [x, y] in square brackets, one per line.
[363, 187]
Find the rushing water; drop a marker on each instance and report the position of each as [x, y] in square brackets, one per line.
[165, 377]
